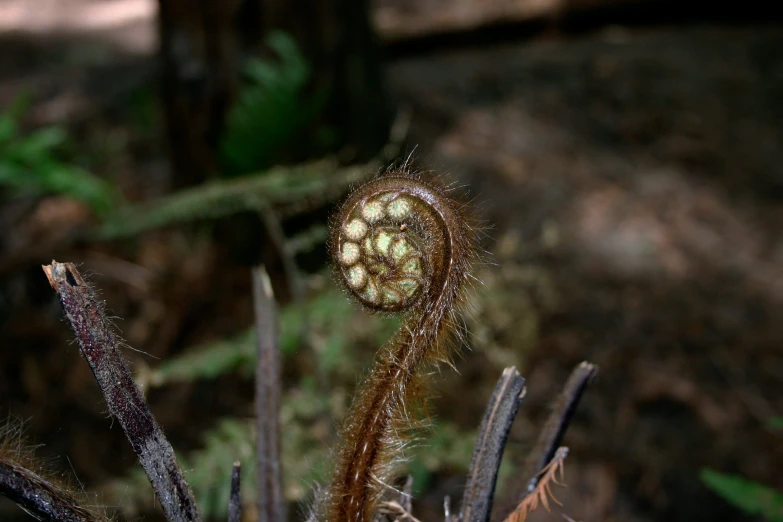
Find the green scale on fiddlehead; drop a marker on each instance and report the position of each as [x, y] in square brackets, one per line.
[400, 244]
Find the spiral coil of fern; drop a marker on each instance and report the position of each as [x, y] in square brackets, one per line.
[400, 244]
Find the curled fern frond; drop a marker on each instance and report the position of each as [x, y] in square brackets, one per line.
[402, 244]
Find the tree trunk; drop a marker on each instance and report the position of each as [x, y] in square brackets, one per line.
[338, 41]
[202, 44]
[199, 55]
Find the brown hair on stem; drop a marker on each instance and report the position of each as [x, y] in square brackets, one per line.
[400, 244]
[99, 345]
[26, 481]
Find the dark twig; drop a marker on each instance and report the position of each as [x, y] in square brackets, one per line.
[99, 346]
[278, 250]
[406, 498]
[235, 500]
[398, 510]
[557, 423]
[44, 500]
[270, 489]
[488, 452]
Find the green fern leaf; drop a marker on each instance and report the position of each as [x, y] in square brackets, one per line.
[285, 189]
[750, 496]
[320, 316]
[31, 165]
[271, 109]
[775, 423]
[209, 362]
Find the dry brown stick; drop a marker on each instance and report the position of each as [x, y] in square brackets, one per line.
[36, 495]
[99, 346]
[271, 507]
[488, 452]
[552, 434]
[278, 250]
[235, 499]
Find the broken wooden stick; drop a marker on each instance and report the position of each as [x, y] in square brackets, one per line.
[271, 505]
[490, 444]
[100, 347]
[235, 498]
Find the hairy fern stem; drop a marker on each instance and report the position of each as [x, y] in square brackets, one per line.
[400, 244]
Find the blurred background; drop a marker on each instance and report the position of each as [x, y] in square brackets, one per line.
[625, 156]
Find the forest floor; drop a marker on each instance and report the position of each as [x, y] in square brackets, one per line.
[632, 181]
[634, 187]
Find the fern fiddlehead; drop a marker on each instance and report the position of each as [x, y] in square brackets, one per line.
[400, 244]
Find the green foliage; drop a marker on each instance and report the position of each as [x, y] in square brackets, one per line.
[331, 328]
[447, 447]
[210, 361]
[210, 467]
[750, 496]
[31, 164]
[316, 321]
[286, 189]
[775, 423]
[306, 411]
[208, 470]
[271, 109]
[142, 110]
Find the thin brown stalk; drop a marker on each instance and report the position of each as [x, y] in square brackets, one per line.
[277, 251]
[271, 506]
[556, 425]
[100, 347]
[490, 444]
[235, 498]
